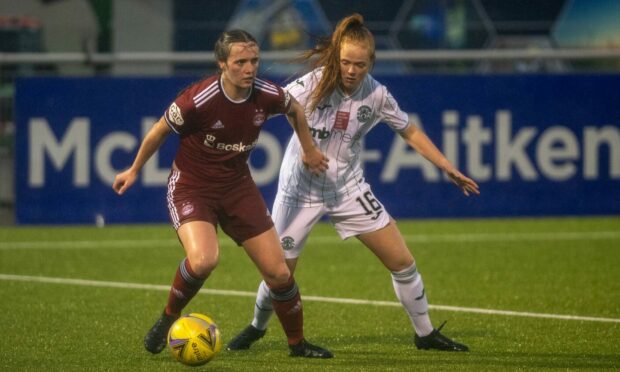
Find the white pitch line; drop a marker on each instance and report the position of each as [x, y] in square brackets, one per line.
[502, 237]
[415, 238]
[351, 301]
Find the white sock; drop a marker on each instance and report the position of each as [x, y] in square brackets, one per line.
[409, 289]
[263, 308]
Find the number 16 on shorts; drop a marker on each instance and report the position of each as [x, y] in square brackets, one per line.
[371, 205]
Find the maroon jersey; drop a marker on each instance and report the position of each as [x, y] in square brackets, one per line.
[218, 133]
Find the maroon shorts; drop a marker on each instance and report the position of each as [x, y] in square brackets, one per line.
[239, 207]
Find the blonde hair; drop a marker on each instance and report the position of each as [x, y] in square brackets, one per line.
[350, 29]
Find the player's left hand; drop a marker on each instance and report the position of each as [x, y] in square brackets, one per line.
[315, 161]
[466, 184]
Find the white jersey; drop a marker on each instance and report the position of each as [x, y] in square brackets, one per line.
[337, 125]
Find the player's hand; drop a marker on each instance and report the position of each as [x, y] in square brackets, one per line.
[466, 184]
[123, 181]
[315, 161]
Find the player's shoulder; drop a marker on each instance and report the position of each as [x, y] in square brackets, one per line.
[373, 84]
[306, 81]
[199, 92]
[371, 87]
[203, 90]
[267, 86]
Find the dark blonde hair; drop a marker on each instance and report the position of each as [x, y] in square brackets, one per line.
[225, 41]
[350, 29]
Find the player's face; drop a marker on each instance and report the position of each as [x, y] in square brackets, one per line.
[354, 65]
[240, 69]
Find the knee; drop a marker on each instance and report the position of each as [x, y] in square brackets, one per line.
[202, 264]
[400, 263]
[406, 275]
[403, 264]
[278, 278]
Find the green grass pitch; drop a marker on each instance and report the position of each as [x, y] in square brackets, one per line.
[524, 294]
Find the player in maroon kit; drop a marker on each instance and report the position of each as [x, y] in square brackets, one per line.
[218, 120]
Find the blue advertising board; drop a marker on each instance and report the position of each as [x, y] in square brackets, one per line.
[538, 145]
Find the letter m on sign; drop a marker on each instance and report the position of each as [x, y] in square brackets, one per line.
[42, 143]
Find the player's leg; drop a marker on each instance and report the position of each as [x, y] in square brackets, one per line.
[293, 225]
[192, 216]
[247, 221]
[199, 240]
[268, 257]
[389, 246]
[365, 217]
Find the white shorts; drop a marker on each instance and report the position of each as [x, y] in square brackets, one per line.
[360, 213]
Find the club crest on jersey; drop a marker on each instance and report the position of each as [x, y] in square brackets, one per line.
[259, 118]
[288, 243]
[363, 114]
[174, 113]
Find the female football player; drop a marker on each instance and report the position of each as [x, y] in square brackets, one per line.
[218, 120]
[343, 101]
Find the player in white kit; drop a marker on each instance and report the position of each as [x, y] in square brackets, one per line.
[343, 103]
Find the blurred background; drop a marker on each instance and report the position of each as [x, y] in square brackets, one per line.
[98, 41]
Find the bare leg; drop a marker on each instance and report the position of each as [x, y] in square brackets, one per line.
[199, 240]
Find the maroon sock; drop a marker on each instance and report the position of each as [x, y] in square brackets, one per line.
[286, 302]
[184, 287]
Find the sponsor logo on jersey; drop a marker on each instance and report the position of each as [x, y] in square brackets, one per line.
[364, 113]
[319, 133]
[338, 135]
[210, 142]
[218, 125]
[342, 120]
[323, 107]
[287, 98]
[288, 243]
[174, 113]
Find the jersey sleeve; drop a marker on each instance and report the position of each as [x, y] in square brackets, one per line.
[297, 89]
[285, 100]
[301, 88]
[273, 97]
[396, 118]
[280, 103]
[179, 115]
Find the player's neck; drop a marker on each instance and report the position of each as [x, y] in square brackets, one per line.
[234, 92]
[349, 91]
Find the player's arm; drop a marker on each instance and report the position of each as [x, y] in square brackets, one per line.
[312, 157]
[417, 139]
[151, 142]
